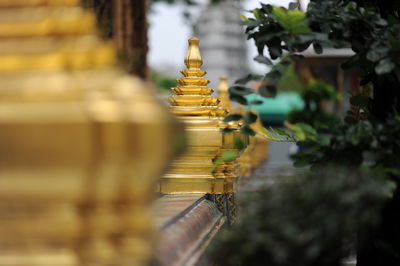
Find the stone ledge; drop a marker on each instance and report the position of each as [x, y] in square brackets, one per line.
[187, 224]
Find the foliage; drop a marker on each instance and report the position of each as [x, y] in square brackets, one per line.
[315, 95]
[373, 33]
[302, 221]
[373, 143]
[373, 36]
[368, 137]
[317, 91]
[162, 82]
[289, 80]
[227, 156]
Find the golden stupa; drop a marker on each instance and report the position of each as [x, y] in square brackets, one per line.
[82, 144]
[257, 146]
[256, 151]
[223, 95]
[234, 166]
[194, 105]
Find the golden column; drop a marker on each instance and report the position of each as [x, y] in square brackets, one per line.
[199, 111]
[82, 144]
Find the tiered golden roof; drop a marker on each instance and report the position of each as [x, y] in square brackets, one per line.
[193, 97]
[77, 139]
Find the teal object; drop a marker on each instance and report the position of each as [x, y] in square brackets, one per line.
[275, 110]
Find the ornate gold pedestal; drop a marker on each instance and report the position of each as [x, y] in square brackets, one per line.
[81, 144]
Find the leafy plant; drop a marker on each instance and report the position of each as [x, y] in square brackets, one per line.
[372, 34]
[162, 82]
[303, 220]
[368, 137]
[315, 95]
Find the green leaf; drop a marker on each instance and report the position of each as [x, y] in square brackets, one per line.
[394, 43]
[294, 21]
[240, 90]
[384, 66]
[303, 132]
[238, 144]
[393, 171]
[293, 5]
[256, 102]
[367, 79]
[296, 57]
[376, 54]
[263, 60]
[250, 118]
[266, 132]
[303, 161]
[324, 140]
[351, 62]
[277, 135]
[244, 18]
[229, 156]
[238, 98]
[275, 51]
[227, 130]
[309, 37]
[232, 117]
[381, 22]
[279, 14]
[267, 91]
[359, 100]
[257, 13]
[246, 130]
[317, 48]
[282, 132]
[247, 78]
[350, 120]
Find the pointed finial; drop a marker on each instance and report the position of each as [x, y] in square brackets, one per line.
[223, 85]
[193, 57]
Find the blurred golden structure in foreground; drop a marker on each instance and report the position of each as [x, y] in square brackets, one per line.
[203, 118]
[82, 144]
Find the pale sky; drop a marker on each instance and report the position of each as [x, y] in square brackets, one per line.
[168, 35]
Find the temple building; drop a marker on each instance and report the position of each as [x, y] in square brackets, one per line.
[223, 41]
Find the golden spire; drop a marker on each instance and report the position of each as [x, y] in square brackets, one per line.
[192, 96]
[193, 59]
[202, 117]
[223, 85]
[223, 94]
